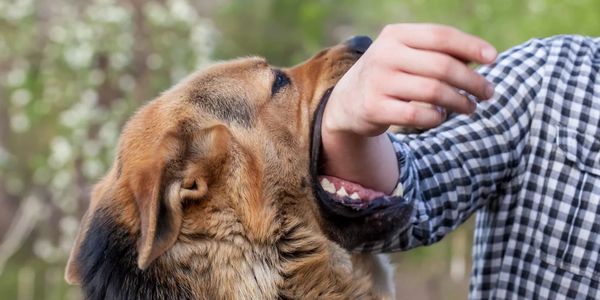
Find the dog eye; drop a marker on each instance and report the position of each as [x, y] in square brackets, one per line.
[280, 81]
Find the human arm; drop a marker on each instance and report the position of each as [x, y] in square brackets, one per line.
[454, 169]
[407, 62]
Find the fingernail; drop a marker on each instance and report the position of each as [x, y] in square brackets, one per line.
[473, 104]
[489, 90]
[488, 53]
[441, 110]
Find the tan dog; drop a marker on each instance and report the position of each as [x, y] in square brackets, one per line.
[211, 196]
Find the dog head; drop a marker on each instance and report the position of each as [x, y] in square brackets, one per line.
[219, 161]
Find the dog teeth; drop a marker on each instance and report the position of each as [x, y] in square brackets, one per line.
[398, 191]
[355, 196]
[327, 186]
[342, 192]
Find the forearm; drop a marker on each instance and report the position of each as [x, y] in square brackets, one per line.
[377, 167]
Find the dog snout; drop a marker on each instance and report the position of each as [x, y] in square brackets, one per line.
[359, 43]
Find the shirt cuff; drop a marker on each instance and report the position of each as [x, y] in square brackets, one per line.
[408, 181]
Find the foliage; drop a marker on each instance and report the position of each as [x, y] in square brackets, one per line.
[287, 32]
[508, 22]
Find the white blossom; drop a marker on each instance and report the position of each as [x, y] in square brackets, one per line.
[19, 122]
[62, 151]
[20, 97]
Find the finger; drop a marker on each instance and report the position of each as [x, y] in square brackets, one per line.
[429, 90]
[442, 39]
[401, 113]
[445, 68]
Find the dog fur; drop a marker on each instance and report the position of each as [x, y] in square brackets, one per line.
[210, 195]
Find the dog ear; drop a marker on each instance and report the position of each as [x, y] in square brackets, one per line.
[161, 189]
[177, 171]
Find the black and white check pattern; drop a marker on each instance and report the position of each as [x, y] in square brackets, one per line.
[528, 161]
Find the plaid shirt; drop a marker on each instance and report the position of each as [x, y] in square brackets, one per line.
[528, 161]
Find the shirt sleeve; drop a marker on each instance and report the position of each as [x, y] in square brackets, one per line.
[452, 170]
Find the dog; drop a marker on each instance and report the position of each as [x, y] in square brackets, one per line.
[214, 194]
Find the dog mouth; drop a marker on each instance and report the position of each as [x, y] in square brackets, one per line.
[354, 215]
[353, 194]
[336, 190]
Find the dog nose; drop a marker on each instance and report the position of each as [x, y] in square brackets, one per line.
[359, 43]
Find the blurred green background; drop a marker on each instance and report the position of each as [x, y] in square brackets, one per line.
[71, 72]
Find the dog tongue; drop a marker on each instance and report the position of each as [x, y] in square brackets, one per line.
[340, 188]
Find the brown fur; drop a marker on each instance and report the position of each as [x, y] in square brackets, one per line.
[210, 196]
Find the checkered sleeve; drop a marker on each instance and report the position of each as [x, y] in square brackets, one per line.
[450, 171]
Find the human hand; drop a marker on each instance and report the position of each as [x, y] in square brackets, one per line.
[409, 62]
[407, 65]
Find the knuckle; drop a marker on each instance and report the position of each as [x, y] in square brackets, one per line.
[440, 34]
[445, 67]
[388, 30]
[433, 90]
[409, 115]
[377, 60]
[369, 109]
[392, 30]
[372, 85]
[444, 30]
[383, 61]
[370, 116]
